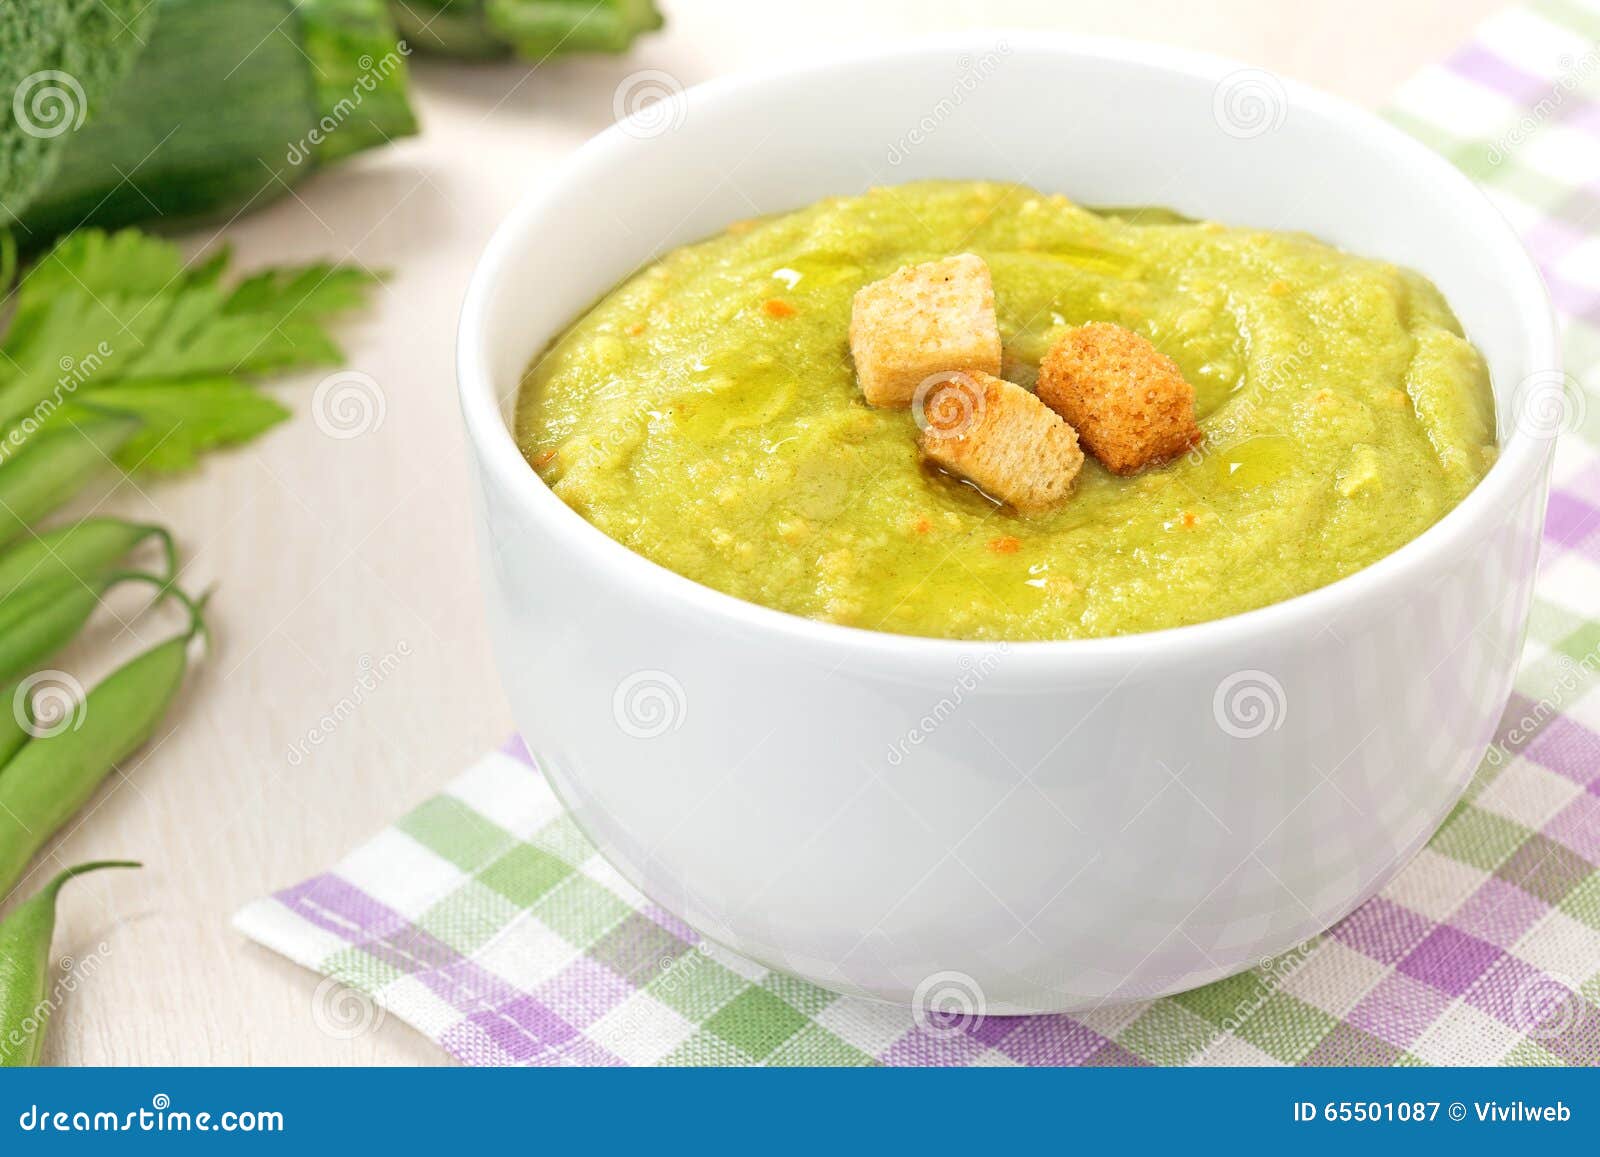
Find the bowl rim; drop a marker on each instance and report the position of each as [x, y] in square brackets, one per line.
[1520, 464]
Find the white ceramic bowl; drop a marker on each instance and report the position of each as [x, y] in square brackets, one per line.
[1039, 826]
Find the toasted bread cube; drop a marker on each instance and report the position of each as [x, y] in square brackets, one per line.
[1128, 401]
[922, 320]
[1000, 436]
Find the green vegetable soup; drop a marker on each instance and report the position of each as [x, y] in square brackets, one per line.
[706, 415]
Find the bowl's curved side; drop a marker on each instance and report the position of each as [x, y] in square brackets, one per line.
[1064, 842]
[1063, 823]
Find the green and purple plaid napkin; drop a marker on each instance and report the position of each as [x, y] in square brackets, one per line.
[485, 919]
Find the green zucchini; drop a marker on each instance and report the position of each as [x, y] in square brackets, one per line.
[58, 59]
[533, 29]
[226, 105]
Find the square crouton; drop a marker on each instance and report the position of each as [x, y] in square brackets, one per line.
[999, 436]
[1128, 401]
[921, 320]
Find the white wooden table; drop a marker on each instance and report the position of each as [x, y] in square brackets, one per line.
[329, 553]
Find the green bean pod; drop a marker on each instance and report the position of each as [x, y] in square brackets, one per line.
[54, 465]
[26, 999]
[55, 773]
[42, 618]
[87, 549]
[14, 722]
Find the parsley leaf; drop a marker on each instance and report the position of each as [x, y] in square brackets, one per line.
[179, 421]
[115, 322]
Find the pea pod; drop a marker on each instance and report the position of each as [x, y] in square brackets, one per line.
[53, 465]
[55, 773]
[26, 999]
[14, 721]
[40, 619]
[86, 548]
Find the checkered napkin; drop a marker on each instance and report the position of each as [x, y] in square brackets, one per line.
[488, 921]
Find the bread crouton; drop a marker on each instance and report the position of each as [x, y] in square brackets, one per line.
[1000, 436]
[1128, 401]
[921, 320]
